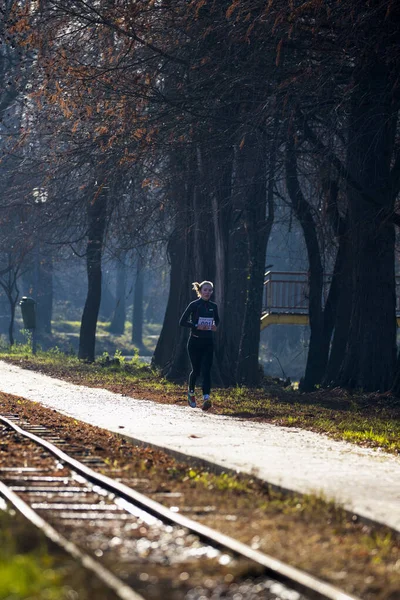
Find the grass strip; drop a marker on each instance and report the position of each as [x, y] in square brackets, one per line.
[32, 567]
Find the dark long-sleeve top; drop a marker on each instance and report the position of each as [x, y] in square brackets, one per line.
[196, 309]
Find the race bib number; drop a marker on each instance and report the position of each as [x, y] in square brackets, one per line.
[206, 321]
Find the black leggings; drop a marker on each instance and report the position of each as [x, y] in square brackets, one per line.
[200, 352]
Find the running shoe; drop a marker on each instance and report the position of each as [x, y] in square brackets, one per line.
[206, 402]
[191, 400]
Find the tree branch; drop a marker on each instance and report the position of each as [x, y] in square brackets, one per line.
[392, 216]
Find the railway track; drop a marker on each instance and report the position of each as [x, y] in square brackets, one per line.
[137, 547]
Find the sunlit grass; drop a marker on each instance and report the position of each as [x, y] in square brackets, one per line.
[26, 568]
[380, 544]
[371, 426]
[117, 369]
[28, 576]
[312, 505]
[292, 420]
[64, 326]
[34, 568]
[66, 336]
[222, 482]
[366, 436]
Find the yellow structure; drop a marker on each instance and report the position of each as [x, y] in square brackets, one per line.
[283, 319]
[288, 319]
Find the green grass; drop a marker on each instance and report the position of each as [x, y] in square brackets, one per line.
[222, 482]
[363, 419]
[378, 439]
[34, 568]
[28, 576]
[27, 570]
[308, 505]
[67, 333]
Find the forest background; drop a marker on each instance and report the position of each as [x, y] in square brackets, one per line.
[193, 130]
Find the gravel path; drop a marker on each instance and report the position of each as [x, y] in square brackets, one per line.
[363, 480]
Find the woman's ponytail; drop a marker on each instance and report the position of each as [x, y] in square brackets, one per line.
[196, 288]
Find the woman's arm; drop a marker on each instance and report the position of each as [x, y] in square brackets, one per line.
[185, 320]
[216, 316]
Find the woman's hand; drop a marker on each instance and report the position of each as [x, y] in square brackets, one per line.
[213, 327]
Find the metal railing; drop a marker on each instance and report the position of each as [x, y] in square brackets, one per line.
[288, 291]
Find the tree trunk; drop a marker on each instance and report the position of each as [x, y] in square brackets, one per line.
[221, 195]
[137, 313]
[337, 312]
[258, 229]
[96, 211]
[395, 389]
[108, 301]
[117, 325]
[170, 354]
[370, 355]
[201, 217]
[11, 325]
[162, 352]
[44, 294]
[13, 303]
[236, 266]
[12, 299]
[211, 239]
[315, 362]
[10, 288]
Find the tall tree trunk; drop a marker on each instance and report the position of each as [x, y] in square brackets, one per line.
[212, 237]
[254, 157]
[337, 311]
[370, 355]
[221, 195]
[13, 299]
[203, 233]
[11, 325]
[315, 362]
[96, 211]
[117, 325]
[236, 265]
[12, 296]
[170, 354]
[137, 313]
[108, 301]
[395, 389]
[10, 288]
[170, 332]
[44, 293]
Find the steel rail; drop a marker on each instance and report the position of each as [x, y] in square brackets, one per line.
[122, 590]
[291, 576]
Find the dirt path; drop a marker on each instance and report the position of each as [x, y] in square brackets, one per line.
[363, 480]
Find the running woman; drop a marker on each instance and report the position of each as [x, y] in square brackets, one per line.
[202, 317]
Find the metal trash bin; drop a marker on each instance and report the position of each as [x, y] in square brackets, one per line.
[28, 309]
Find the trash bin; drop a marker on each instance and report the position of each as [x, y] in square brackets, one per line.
[28, 309]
